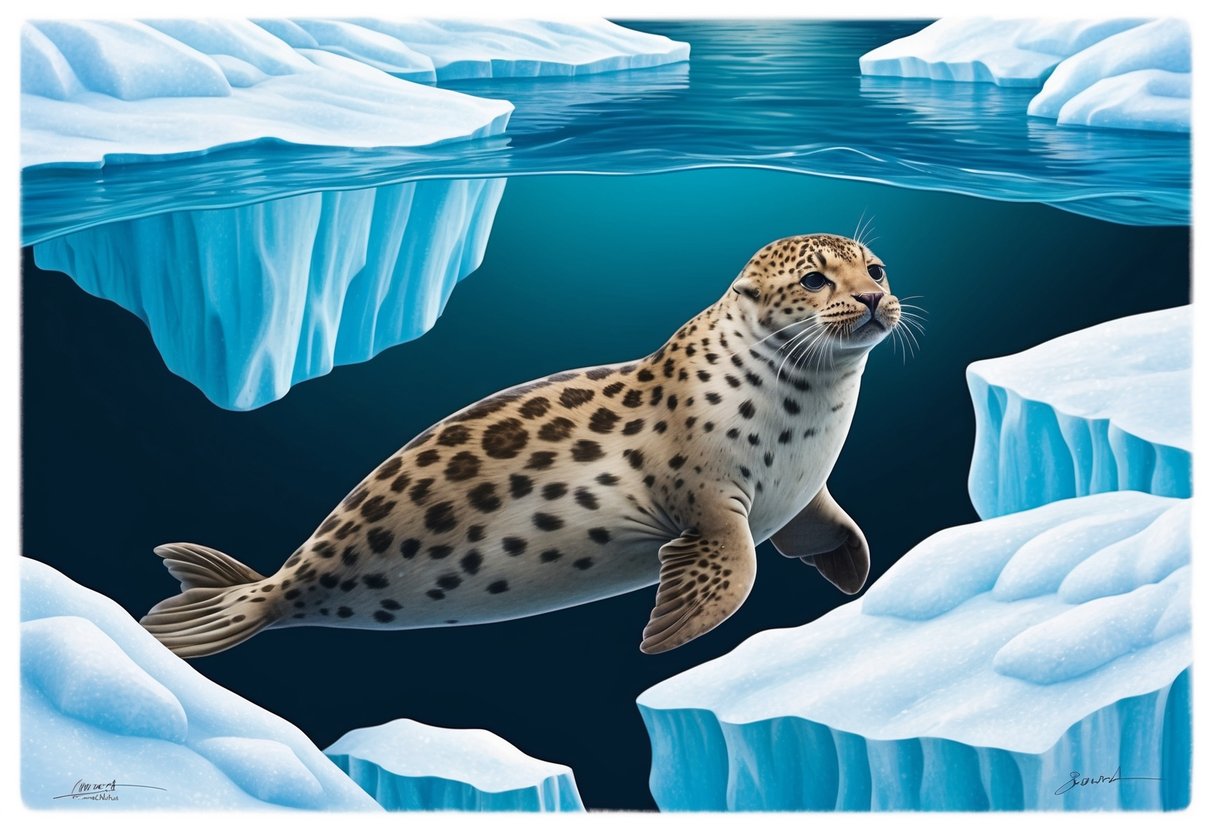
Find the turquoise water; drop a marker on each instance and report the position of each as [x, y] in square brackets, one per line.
[784, 95]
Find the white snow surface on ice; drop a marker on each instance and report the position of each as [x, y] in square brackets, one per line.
[1121, 73]
[1040, 642]
[102, 701]
[408, 765]
[1101, 409]
[96, 91]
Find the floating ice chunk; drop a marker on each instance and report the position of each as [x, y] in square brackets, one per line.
[245, 302]
[1111, 73]
[524, 48]
[85, 675]
[1159, 45]
[101, 700]
[119, 90]
[407, 765]
[986, 703]
[1010, 53]
[1101, 409]
[266, 769]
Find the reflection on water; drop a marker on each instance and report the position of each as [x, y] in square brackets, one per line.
[779, 94]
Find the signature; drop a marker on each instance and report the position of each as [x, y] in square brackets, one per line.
[83, 790]
[1078, 779]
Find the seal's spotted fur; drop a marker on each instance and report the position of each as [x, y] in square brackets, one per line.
[590, 483]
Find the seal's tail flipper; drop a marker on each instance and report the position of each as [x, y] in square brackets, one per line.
[220, 604]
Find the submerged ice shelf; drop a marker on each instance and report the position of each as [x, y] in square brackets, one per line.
[988, 664]
[245, 302]
[1103, 409]
[1134, 74]
[406, 765]
[102, 701]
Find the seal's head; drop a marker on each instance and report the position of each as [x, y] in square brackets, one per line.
[820, 285]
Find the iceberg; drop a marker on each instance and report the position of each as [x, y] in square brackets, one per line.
[1122, 73]
[97, 91]
[1103, 409]
[1140, 78]
[406, 765]
[117, 91]
[1036, 661]
[108, 714]
[245, 302]
[453, 50]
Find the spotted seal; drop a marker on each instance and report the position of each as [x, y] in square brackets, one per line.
[595, 482]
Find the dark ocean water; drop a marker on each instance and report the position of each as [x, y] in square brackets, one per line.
[781, 94]
[120, 455]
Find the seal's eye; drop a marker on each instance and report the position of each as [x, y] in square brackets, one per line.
[877, 272]
[814, 281]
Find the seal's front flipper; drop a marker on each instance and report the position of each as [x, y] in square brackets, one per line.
[825, 536]
[705, 576]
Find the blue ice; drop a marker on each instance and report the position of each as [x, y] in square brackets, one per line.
[1122, 73]
[103, 702]
[406, 765]
[983, 668]
[1106, 408]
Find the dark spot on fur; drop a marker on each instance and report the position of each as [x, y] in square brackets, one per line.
[599, 535]
[660, 427]
[454, 435]
[575, 397]
[347, 529]
[583, 563]
[541, 460]
[520, 485]
[644, 375]
[745, 472]
[325, 549]
[344, 612]
[388, 469]
[677, 461]
[633, 427]
[379, 539]
[375, 580]
[632, 399]
[585, 498]
[475, 534]
[389, 604]
[554, 490]
[426, 458]
[586, 450]
[409, 547]
[753, 439]
[376, 508]
[746, 409]
[498, 587]
[440, 517]
[768, 458]
[420, 492]
[470, 563]
[401, 482]
[785, 437]
[504, 439]
[534, 408]
[599, 373]
[712, 397]
[328, 580]
[484, 497]
[607, 478]
[549, 555]
[603, 420]
[556, 430]
[513, 546]
[383, 616]
[462, 466]
[440, 551]
[436, 594]
[635, 458]
[449, 581]
[612, 389]
[330, 523]
[791, 406]
[547, 522]
[355, 498]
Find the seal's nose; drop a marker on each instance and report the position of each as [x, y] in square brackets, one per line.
[870, 300]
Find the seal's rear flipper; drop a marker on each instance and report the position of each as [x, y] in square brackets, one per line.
[825, 536]
[222, 602]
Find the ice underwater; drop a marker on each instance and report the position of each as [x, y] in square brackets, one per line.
[995, 665]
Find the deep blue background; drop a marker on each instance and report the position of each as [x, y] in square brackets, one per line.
[120, 455]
